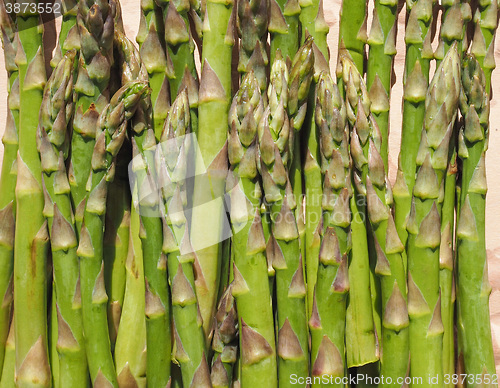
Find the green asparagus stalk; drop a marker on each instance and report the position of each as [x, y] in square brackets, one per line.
[454, 21]
[211, 168]
[172, 164]
[284, 28]
[472, 273]
[130, 350]
[382, 48]
[9, 175]
[276, 152]
[418, 37]
[253, 19]
[353, 34]
[366, 148]
[361, 341]
[52, 335]
[152, 51]
[110, 135]
[299, 83]
[157, 291]
[327, 322]
[483, 46]
[424, 223]
[313, 22]
[53, 144]
[95, 22]
[225, 344]
[251, 285]
[68, 34]
[180, 44]
[116, 242]
[382, 42]
[9, 363]
[31, 243]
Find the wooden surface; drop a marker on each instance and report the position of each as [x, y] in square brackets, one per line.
[130, 10]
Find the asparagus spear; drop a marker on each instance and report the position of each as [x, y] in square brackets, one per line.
[130, 350]
[424, 223]
[8, 177]
[68, 34]
[172, 164]
[275, 154]
[453, 25]
[31, 243]
[180, 44]
[313, 23]
[472, 274]
[225, 344]
[327, 322]
[299, 83]
[483, 42]
[9, 364]
[95, 23]
[253, 19]
[157, 292]
[366, 148]
[417, 61]
[211, 168]
[382, 48]
[116, 242]
[250, 285]
[152, 52]
[382, 42]
[284, 27]
[360, 336]
[110, 135]
[53, 144]
[352, 34]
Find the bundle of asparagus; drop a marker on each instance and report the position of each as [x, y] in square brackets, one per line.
[242, 231]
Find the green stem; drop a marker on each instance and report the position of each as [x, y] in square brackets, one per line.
[417, 62]
[53, 142]
[313, 22]
[214, 101]
[8, 176]
[9, 364]
[472, 268]
[352, 32]
[190, 349]
[110, 138]
[250, 286]
[116, 242]
[328, 319]
[31, 244]
[130, 350]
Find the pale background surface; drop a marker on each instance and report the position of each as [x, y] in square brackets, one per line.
[130, 10]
